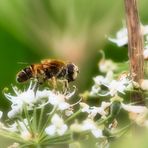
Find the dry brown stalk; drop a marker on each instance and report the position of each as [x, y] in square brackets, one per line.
[135, 40]
[135, 45]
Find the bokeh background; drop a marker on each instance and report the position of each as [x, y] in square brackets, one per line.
[74, 30]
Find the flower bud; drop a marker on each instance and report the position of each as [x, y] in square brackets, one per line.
[115, 108]
[144, 84]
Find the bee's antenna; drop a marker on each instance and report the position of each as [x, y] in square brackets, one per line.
[22, 63]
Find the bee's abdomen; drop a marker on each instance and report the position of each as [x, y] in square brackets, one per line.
[24, 75]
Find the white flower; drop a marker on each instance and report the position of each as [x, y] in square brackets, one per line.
[40, 98]
[118, 86]
[104, 105]
[28, 97]
[25, 134]
[20, 127]
[114, 86]
[107, 65]
[57, 126]
[58, 100]
[76, 127]
[144, 29]
[89, 124]
[102, 109]
[85, 107]
[100, 80]
[14, 145]
[1, 114]
[137, 113]
[145, 53]
[144, 84]
[93, 111]
[95, 89]
[15, 111]
[134, 108]
[122, 36]
[11, 128]
[68, 112]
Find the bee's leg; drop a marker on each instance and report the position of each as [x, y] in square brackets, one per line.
[54, 83]
[38, 82]
[36, 86]
[65, 86]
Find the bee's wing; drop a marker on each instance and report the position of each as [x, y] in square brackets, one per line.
[46, 61]
[59, 63]
[53, 66]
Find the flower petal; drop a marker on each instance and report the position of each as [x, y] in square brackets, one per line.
[50, 130]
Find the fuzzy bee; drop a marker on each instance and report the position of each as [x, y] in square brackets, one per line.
[49, 69]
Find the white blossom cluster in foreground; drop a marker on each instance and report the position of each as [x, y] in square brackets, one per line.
[45, 117]
[42, 118]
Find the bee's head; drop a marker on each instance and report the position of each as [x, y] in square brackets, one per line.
[73, 71]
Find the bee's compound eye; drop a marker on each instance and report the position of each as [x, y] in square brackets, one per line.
[70, 68]
[22, 77]
[72, 72]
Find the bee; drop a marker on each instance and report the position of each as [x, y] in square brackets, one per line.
[49, 69]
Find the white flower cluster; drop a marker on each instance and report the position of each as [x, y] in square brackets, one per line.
[20, 127]
[46, 117]
[57, 126]
[41, 115]
[36, 113]
[40, 98]
[93, 111]
[138, 114]
[122, 36]
[122, 39]
[87, 125]
[112, 86]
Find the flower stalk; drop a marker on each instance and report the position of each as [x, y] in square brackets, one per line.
[135, 40]
[135, 45]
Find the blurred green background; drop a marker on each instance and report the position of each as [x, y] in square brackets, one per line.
[75, 30]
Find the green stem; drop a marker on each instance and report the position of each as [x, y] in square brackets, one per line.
[22, 120]
[123, 130]
[34, 119]
[73, 116]
[40, 119]
[12, 136]
[47, 122]
[28, 119]
[101, 121]
[58, 140]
